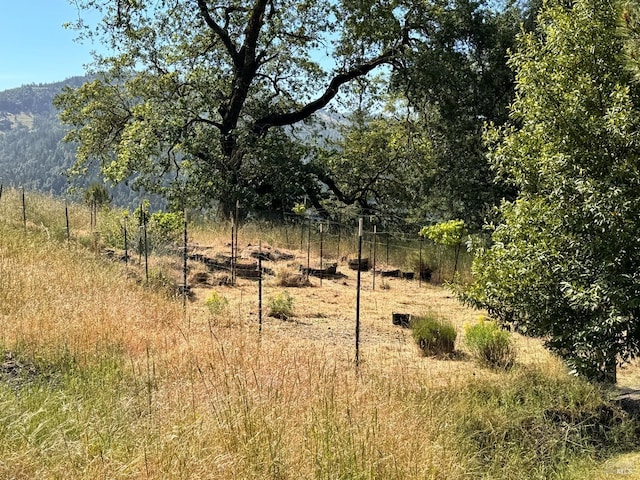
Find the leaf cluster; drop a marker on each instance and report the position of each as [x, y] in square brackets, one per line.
[447, 233]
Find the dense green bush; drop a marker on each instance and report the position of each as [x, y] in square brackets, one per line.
[489, 344]
[167, 227]
[281, 306]
[433, 335]
[561, 261]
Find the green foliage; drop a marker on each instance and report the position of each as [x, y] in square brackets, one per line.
[111, 223]
[445, 233]
[96, 195]
[194, 94]
[141, 214]
[95, 402]
[630, 31]
[458, 79]
[537, 424]
[216, 303]
[433, 335]
[566, 257]
[163, 228]
[376, 163]
[448, 235]
[280, 306]
[32, 132]
[489, 344]
[299, 209]
[193, 100]
[167, 226]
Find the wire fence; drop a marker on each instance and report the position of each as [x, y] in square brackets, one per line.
[318, 242]
[319, 245]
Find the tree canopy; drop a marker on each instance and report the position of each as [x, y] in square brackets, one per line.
[204, 100]
[193, 85]
[459, 79]
[565, 262]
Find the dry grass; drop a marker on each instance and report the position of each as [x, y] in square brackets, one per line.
[142, 389]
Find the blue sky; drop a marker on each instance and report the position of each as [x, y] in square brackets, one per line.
[34, 46]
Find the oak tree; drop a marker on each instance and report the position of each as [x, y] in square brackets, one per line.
[193, 91]
[457, 76]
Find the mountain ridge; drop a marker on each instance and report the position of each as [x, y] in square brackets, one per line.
[33, 154]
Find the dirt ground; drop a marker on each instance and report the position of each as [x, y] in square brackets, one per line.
[324, 312]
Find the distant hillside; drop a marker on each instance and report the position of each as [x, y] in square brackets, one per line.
[32, 154]
[32, 99]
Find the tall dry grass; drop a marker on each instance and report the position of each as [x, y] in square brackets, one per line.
[104, 378]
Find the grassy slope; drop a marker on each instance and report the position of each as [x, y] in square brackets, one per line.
[102, 378]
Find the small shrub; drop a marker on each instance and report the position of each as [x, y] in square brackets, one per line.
[433, 335]
[281, 306]
[489, 344]
[299, 209]
[216, 303]
[166, 226]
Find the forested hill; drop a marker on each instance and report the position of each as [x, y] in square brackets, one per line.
[32, 153]
[33, 99]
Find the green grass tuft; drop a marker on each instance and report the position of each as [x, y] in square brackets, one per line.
[489, 344]
[433, 335]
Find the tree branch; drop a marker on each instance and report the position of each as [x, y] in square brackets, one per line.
[220, 32]
[200, 119]
[252, 32]
[277, 120]
[330, 183]
[244, 75]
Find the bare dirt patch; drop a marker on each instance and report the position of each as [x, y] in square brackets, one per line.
[325, 316]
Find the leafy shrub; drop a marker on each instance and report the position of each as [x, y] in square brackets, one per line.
[216, 303]
[167, 226]
[448, 236]
[489, 344]
[445, 233]
[281, 306]
[299, 209]
[433, 335]
[163, 228]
